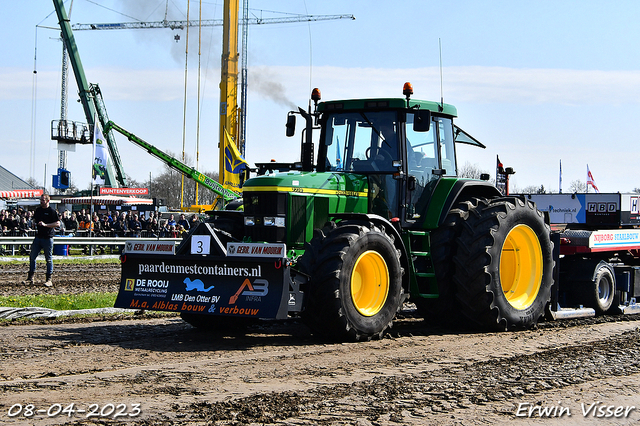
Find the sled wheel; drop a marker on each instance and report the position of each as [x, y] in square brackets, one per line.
[355, 287]
[603, 289]
[504, 264]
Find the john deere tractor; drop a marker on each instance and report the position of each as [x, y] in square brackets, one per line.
[377, 219]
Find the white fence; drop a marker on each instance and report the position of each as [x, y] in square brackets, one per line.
[11, 245]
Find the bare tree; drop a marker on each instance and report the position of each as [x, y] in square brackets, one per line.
[470, 171]
[533, 189]
[132, 183]
[578, 186]
[169, 186]
[73, 188]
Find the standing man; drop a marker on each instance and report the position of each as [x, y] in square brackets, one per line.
[46, 219]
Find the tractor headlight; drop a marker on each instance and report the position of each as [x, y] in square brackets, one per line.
[273, 221]
[248, 221]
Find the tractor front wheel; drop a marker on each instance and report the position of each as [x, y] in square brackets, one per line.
[355, 289]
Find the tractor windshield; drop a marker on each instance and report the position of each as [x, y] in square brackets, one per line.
[362, 142]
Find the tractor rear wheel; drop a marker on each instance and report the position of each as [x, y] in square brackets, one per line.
[355, 287]
[504, 264]
[443, 249]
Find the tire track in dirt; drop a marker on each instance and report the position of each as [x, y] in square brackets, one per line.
[277, 372]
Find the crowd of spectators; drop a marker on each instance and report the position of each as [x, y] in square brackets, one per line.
[16, 222]
[19, 222]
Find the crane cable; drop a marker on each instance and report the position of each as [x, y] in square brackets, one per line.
[310, 50]
[184, 111]
[34, 89]
[198, 109]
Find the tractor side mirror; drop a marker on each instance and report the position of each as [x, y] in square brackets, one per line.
[291, 125]
[421, 121]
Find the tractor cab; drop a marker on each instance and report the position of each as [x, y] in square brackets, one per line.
[401, 146]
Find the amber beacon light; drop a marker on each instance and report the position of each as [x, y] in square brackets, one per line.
[407, 90]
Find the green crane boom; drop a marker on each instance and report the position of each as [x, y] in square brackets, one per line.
[90, 97]
[175, 164]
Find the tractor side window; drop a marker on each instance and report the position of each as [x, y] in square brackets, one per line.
[426, 152]
[361, 142]
[422, 156]
[336, 135]
[447, 152]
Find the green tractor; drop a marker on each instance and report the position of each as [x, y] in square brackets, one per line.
[379, 218]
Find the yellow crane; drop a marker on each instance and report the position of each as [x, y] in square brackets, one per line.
[231, 164]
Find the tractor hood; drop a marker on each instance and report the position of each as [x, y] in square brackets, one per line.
[310, 183]
[287, 207]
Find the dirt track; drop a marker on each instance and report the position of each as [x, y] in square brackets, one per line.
[277, 373]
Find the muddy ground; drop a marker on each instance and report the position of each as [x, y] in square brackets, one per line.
[151, 370]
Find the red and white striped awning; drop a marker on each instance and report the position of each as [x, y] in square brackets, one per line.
[22, 193]
[108, 200]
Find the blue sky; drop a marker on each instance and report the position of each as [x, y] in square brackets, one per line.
[537, 82]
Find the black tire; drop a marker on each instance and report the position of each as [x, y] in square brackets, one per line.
[601, 291]
[443, 250]
[355, 287]
[504, 264]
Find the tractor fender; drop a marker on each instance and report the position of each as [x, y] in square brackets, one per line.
[391, 229]
[462, 190]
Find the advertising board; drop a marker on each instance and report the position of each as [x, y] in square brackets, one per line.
[243, 287]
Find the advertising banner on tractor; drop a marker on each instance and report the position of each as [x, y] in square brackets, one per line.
[242, 287]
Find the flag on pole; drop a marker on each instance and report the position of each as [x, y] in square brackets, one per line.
[234, 164]
[99, 166]
[501, 180]
[560, 182]
[591, 181]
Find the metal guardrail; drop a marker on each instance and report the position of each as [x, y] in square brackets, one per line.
[12, 244]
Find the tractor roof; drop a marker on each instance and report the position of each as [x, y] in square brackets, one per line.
[386, 103]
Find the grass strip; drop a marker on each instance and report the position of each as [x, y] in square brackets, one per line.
[60, 302]
[69, 260]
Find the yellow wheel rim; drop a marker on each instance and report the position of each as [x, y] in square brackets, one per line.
[369, 283]
[521, 267]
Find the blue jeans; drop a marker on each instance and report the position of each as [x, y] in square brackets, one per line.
[45, 244]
